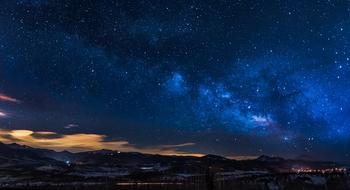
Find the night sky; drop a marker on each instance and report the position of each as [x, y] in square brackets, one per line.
[232, 78]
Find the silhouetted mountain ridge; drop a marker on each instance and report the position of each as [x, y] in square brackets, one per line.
[265, 158]
[24, 155]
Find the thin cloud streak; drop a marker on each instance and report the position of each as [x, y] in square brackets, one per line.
[6, 98]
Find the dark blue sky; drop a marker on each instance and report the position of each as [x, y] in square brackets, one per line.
[226, 77]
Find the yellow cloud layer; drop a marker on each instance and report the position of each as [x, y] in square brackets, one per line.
[84, 142]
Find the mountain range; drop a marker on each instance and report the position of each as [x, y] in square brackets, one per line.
[27, 167]
[21, 155]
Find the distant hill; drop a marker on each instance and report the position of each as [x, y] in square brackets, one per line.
[19, 155]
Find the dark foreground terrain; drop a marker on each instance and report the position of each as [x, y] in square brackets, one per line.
[278, 181]
[23, 167]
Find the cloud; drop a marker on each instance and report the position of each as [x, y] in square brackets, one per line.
[3, 114]
[84, 142]
[72, 125]
[179, 145]
[6, 98]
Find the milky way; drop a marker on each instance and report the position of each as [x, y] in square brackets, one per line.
[234, 78]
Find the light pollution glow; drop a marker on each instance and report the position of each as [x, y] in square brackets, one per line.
[84, 142]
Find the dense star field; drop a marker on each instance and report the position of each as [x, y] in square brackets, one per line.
[233, 78]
